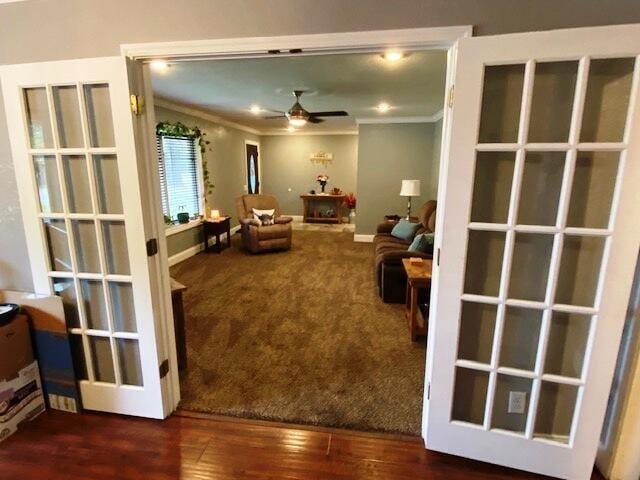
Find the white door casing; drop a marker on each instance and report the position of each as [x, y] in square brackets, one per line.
[553, 145]
[72, 140]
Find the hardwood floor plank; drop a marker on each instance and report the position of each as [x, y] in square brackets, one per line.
[95, 446]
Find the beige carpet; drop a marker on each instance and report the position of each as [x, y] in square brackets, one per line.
[299, 336]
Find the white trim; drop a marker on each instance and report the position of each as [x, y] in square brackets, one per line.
[359, 237]
[419, 119]
[200, 113]
[181, 227]
[296, 218]
[411, 38]
[297, 133]
[194, 250]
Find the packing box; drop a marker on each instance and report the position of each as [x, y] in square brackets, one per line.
[21, 397]
[52, 347]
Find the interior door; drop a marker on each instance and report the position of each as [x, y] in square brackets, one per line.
[72, 141]
[253, 172]
[539, 238]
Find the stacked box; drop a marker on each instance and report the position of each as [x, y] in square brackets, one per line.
[21, 397]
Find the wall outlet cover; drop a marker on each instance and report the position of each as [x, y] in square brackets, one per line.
[517, 402]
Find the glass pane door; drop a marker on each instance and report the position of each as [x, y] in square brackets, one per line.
[540, 186]
[541, 219]
[84, 223]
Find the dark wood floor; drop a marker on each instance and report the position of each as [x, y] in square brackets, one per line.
[101, 446]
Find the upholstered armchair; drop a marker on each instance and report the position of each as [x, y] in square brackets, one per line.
[261, 238]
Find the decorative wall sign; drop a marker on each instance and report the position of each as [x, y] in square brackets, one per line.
[321, 157]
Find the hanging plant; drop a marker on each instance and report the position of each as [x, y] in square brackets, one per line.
[179, 129]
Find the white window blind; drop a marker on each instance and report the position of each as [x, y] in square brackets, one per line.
[180, 182]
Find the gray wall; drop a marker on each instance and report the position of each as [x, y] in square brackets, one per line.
[387, 154]
[225, 159]
[39, 30]
[286, 165]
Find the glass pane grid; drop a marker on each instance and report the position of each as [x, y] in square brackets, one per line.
[556, 376]
[67, 192]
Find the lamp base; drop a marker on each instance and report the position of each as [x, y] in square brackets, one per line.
[408, 217]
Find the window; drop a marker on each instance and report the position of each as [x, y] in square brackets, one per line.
[180, 176]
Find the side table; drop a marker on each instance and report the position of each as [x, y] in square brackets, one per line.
[418, 276]
[216, 227]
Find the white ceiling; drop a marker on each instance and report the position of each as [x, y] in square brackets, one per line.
[355, 82]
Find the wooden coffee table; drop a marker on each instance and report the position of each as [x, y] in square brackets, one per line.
[418, 276]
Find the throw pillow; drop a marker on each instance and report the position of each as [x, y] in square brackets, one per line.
[405, 230]
[423, 243]
[264, 216]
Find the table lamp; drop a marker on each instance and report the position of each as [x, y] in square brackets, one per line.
[410, 188]
[215, 214]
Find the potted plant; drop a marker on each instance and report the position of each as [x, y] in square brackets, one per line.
[350, 201]
[322, 180]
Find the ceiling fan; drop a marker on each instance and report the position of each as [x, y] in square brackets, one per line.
[298, 116]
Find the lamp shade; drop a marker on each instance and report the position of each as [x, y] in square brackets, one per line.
[410, 188]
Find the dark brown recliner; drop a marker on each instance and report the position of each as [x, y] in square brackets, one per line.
[389, 252]
[262, 238]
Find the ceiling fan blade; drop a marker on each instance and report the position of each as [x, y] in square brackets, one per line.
[314, 120]
[335, 113]
[273, 117]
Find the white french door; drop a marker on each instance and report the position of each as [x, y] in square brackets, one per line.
[72, 141]
[539, 234]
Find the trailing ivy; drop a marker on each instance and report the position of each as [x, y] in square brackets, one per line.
[179, 129]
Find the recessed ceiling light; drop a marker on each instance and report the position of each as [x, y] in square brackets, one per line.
[393, 55]
[383, 107]
[255, 109]
[159, 65]
[291, 129]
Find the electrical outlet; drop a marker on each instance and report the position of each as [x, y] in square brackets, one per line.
[517, 402]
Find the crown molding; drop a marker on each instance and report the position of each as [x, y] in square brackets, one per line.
[200, 113]
[383, 120]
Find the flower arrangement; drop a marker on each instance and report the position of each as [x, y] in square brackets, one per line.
[322, 180]
[350, 200]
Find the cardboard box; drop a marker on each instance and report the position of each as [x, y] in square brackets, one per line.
[52, 347]
[21, 397]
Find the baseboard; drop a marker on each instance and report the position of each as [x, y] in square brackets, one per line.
[358, 237]
[296, 218]
[191, 251]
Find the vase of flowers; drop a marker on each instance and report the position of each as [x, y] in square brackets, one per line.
[322, 180]
[350, 201]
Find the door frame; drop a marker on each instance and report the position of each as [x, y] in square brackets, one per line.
[246, 171]
[412, 39]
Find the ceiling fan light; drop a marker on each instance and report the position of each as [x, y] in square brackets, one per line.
[297, 121]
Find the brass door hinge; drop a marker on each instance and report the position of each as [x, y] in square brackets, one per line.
[451, 93]
[137, 104]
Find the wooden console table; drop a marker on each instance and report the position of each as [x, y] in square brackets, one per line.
[312, 215]
[418, 276]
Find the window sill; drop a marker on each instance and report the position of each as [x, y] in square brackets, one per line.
[181, 227]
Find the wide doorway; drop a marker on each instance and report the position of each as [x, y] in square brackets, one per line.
[308, 325]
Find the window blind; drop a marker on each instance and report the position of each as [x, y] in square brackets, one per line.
[180, 188]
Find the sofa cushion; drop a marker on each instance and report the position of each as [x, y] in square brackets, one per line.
[265, 216]
[422, 243]
[278, 230]
[405, 230]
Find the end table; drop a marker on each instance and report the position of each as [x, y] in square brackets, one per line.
[418, 276]
[216, 226]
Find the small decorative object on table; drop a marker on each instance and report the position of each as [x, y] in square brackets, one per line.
[183, 217]
[322, 180]
[336, 191]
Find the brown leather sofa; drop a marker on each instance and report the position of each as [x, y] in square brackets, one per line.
[262, 238]
[391, 278]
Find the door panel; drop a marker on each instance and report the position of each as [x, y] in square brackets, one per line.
[74, 155]
[537, 246]
[253, 169]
